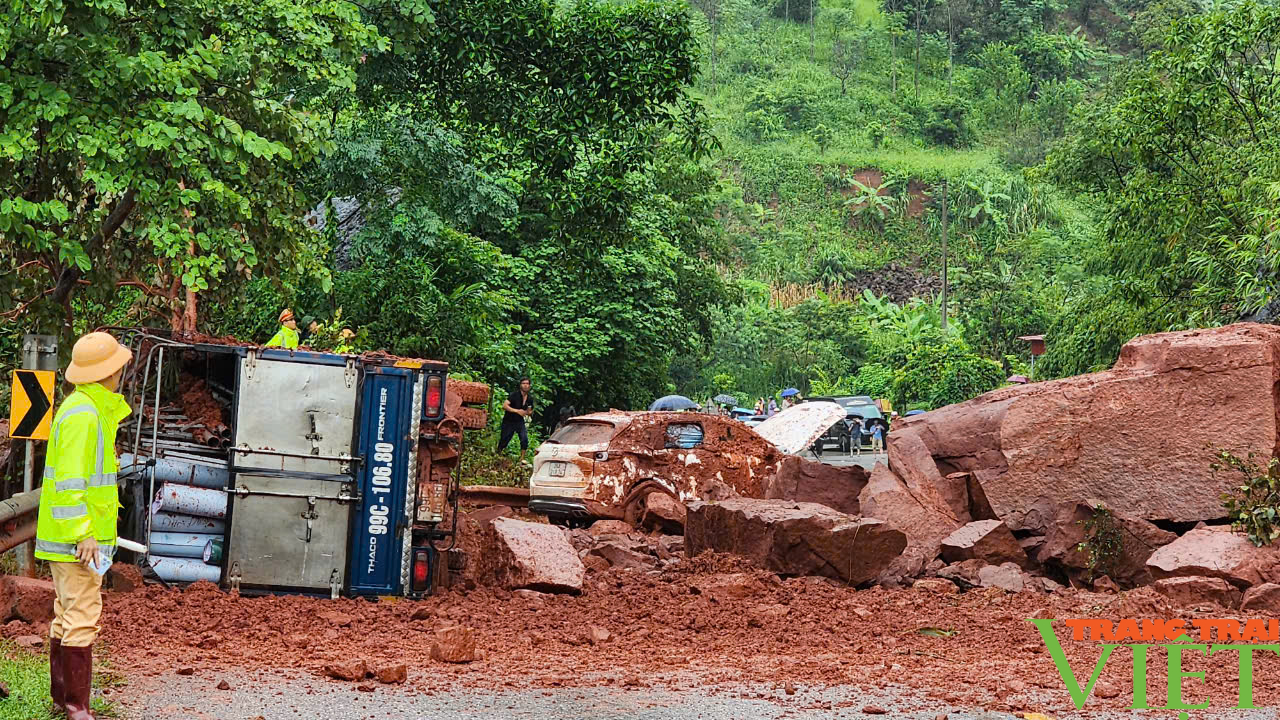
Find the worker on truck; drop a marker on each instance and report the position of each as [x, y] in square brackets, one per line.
[287, 337]
[76, 528]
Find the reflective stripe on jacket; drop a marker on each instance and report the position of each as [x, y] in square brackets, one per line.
[286, 338]
[79, 497]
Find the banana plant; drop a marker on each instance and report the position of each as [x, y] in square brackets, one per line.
[868, 205]
[986, 209]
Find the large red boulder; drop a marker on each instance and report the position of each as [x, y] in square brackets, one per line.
[923, 517]
[1217, 552]
[515, 554]
[794, 538]
[911, 460]
[808, 481]
[1139, 437]
[26, 599]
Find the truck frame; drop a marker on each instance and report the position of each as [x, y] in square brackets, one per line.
[269, 470]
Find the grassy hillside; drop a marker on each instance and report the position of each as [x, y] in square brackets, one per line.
[835, 210]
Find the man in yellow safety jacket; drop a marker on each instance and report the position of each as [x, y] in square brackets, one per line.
[287, 337]
[76, 529]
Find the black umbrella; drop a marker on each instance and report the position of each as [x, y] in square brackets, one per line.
[673, 402]
[726, 399]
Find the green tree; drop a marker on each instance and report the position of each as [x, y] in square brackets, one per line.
[1182, 156]
[156, 146]
[943, 374]
[1001, 72]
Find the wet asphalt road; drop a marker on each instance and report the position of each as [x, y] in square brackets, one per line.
[834, 457]
[275, 697]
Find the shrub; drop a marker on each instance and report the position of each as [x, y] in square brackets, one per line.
[945, 124]
[1254, 504]
[875, 380]
[1103, 542]
[943, 374]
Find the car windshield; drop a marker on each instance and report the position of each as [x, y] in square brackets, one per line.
[864, 411]
[583, 433]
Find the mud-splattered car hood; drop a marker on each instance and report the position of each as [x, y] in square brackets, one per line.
[796, 428]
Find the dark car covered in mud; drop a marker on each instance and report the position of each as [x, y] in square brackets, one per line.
[603, 465]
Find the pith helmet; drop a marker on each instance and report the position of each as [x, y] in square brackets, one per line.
[96, 356]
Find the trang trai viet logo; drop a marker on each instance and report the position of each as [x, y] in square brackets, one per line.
[1178, 640]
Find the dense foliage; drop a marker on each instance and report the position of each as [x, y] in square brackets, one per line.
[157, 147]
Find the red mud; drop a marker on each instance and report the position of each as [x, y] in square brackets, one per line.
[196, 338]
[709, 621]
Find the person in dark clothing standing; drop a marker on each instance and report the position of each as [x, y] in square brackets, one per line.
[518, 407]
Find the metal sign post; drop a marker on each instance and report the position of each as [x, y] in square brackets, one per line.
[31, 415]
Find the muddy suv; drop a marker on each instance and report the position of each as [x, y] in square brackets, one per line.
[603, 465]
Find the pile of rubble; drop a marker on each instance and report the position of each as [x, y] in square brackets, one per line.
[998, 492]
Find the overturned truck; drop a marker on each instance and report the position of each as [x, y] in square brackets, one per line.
[273, 470]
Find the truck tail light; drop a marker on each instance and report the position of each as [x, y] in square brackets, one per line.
[435, 394]
[421, 570]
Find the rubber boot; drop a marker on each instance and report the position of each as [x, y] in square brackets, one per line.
[77, 673]
[56, 686]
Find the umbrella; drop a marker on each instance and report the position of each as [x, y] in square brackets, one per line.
[673, 402]
[726, 399]
[789, 392]
[1020, 379]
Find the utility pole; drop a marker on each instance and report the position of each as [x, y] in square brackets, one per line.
[944, 254]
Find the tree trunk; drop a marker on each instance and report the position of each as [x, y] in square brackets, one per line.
[813, 28]
[185, 321]
[715, 39]
[950, 49]
[915, 77]
[893, 62]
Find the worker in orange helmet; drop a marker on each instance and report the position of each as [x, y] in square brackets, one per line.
[287, 337]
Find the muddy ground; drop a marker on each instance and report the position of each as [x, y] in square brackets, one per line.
[708, 622]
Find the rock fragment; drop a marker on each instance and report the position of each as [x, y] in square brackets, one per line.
[795, 538]
[1188, 591]
[455, 644]
[349, 670]
[1217, 552]
[986, 540]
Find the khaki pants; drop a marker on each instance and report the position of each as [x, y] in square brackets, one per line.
[77, 605]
